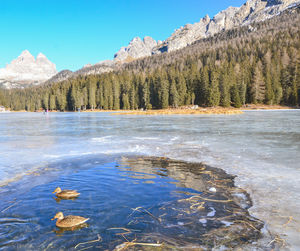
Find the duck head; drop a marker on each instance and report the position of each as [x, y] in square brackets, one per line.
[57, 190]
[59, 216]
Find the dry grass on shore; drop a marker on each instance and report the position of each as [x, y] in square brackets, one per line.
[184, 111]
[266, 107]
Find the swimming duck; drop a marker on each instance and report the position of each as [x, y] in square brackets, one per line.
[65, 194]
[69, 221]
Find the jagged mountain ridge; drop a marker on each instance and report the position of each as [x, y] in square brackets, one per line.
[251, 11]
[26, 70]
[137, 48]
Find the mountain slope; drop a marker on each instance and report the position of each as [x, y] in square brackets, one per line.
[99, 68]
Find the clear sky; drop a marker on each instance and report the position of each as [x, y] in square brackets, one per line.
[74, 33]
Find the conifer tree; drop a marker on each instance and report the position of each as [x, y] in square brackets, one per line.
[92, 94]
[52, 102]
[213, 96]
[116, 95]
[235, 96]
[146, 96]
[45, 102]
[258, 85]
[224, 89]
[164, 94]
[173, 94]
[125, 101]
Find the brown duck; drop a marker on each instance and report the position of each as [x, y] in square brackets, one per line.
[65, 194]
[69, 221]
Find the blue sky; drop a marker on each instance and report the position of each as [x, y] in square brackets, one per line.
[74, 33]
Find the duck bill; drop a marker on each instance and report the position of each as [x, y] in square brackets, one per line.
[53, 219]
[53, 192]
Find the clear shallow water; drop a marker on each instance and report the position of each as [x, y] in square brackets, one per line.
[261, 147]
[150, 200]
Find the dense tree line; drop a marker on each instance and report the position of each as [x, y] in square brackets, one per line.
[233, 68]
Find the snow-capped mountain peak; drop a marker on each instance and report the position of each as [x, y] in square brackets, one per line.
[26, 70]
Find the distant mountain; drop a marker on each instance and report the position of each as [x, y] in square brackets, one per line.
[26, 70]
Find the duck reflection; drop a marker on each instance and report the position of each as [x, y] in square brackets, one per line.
[60, 231]
[59, 199]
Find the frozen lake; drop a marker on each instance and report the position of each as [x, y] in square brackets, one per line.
[261, 147]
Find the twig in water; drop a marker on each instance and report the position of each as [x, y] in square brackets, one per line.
[124, 229]
[10, 206]
[288, 222]
[127, 231]
[277, 240]
[212, 200]
[85, 248]
[146, 211]
[125, 245]
[245, 222]
[148, 244]
[82, 243]
[202, 198]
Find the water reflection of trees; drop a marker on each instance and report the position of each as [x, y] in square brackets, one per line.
[205, 218]
[196, 176]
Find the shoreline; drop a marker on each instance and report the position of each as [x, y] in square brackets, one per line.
[193, 110]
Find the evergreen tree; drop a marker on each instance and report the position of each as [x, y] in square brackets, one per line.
[116, 95]
[173, 94]
[146, 96]
[224, 90]
[92, 94]
[164, 94]
[52, 102]
[258, 85]
[235, 96]
[125, 101]
[213, 96]
[45, 102]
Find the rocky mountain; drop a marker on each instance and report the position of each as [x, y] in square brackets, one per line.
[26, 70]
[137, 48]
[251, 11]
